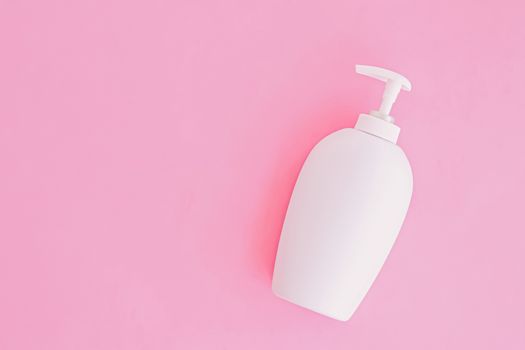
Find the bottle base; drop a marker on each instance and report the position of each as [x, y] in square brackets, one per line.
[312, 307]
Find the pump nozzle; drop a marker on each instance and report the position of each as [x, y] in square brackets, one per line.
[394, 83]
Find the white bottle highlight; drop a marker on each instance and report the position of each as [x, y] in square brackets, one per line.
[346, 211]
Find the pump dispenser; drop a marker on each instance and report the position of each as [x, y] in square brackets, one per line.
[346, 210]
[380, 123]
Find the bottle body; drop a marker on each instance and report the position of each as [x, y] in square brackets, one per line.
[345, 213]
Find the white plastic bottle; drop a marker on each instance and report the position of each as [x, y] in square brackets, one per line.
[346, 211]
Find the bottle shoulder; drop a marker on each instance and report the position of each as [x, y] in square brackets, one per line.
[350, 137]
[351, 146]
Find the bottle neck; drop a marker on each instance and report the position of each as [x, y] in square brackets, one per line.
[378, 127]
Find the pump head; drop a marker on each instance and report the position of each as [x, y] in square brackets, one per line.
[394, 83]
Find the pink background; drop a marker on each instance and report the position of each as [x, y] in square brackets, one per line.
[148, 151]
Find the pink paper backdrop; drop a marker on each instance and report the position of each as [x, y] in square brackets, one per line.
[148, 150]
